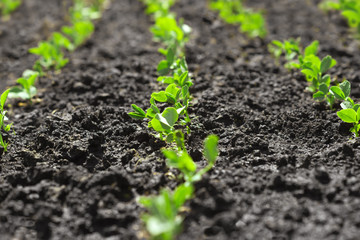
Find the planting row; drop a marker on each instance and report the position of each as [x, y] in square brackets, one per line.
[163, 220]
[52, 54]
[307, 61]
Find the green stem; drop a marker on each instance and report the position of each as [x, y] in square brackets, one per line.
[356, 129]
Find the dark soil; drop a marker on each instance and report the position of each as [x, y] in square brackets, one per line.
[77, 163]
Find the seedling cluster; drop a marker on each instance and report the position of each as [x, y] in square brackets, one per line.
[173, 71]
[7, 7]
[233, 11]
[163, 220]
[27, 89]
[314, 70]
[350, 9]
[307, 61]
[52, 52]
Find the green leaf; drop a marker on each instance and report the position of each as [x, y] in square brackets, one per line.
[345, 86]
[319, 96]
[278, 43]
[138, 110]
[183, 78]
[183, 65]
[337, 92]
[180, 160]
[172, 89]
[166, 79]
[170, 98]
[165, 121]
[163, 67]
[325, 64]
[312, 48]
[159, 96]
[308, 72]
[28, 73]
[156, 124]
[136, 115]
[352, 17]
[179, 139]
[18, 92]
[356, 107]
[152, 111]
[326, 80]
[211, 149]
[182, 193]
[346, 105]
[323, 88]
[348, 115]
[170, 56]
[23, 82]
[3, 143]
[170, 138]
[180, 110]
[3, 98]
[185, 91]
[171, 116]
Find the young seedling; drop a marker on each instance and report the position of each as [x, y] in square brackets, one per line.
[351, 115]
[233, 12]
[350, 112]
[51, 54]
[350, 9]
[163, 220]
[27, 89]
[81, 11]
[3, 118]
[294, 55]
[167, 31]
[79, 32]
[314, 69]
[158, 8]
[7, 7]
[162, 122]
[291, 49]
[176, 94]
[181, 160]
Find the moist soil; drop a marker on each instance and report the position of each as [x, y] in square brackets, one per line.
[77, 163]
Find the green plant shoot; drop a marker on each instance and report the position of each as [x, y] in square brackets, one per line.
[3, 118]
[86, 11]
[351, 116]
[176, 94]
[181, 160]
[51, 54]
[79, 32]
[233, 12]
[291, 49]
[8, 6]
[27, 89]
[163, 220]
[350, 9]
[158, 8]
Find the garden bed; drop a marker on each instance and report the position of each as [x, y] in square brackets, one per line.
[287, 167]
